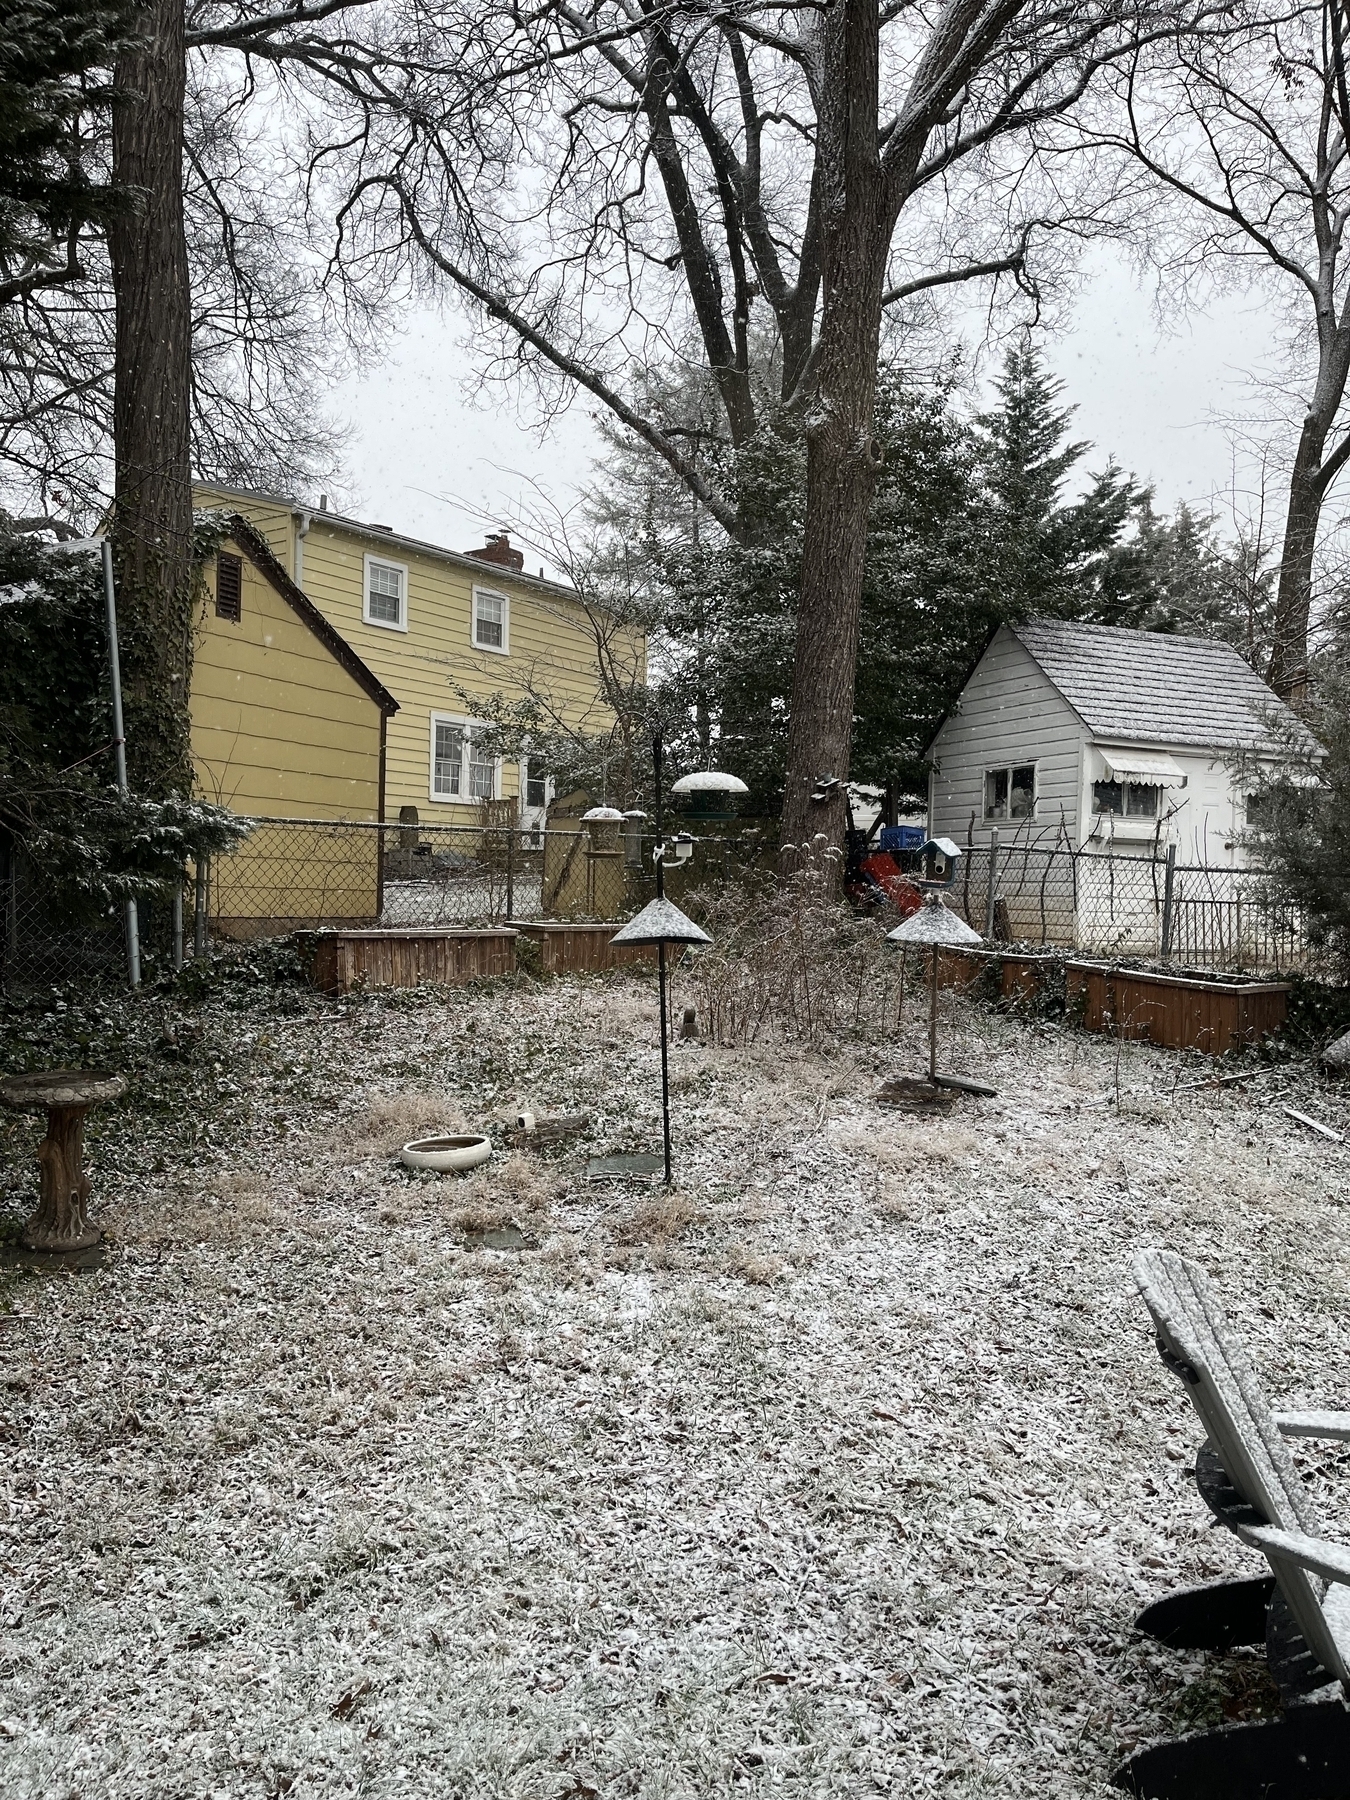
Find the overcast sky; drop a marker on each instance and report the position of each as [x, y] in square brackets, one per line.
[429, 458]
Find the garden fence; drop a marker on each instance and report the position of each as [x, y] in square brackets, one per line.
[297, 875]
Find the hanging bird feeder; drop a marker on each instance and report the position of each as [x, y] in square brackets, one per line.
[709, 793]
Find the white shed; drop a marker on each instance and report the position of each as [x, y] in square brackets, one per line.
[1089, 736]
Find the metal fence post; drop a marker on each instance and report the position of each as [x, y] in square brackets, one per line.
[1168, 880]
[510, 874]
[989, 896]
[120, 744]
[199, 909]
[178, 923]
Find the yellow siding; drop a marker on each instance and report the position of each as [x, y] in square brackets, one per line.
[550, 642]
[279, 727]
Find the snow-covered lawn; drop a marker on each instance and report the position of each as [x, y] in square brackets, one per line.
[841, 1471]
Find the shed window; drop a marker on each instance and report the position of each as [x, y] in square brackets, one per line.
[491, 613]
[386, 594]
[1010, 793]
[229, 587]
[461, 767]
[1126, 799]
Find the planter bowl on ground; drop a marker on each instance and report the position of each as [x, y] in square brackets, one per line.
[446, 1155]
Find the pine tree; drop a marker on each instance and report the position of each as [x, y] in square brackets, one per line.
[56, 58]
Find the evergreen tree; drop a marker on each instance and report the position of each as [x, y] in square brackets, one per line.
[56, 58]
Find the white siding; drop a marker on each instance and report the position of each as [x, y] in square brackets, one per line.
[1008, 713]
[1204, 819]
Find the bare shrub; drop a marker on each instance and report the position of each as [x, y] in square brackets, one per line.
[790, 958]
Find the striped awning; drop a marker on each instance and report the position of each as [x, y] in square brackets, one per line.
[1146, 768]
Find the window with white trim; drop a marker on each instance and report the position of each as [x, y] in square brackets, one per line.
[491, 621]
[386, 597]
[1126, 799]
[1010, 793]
[537, 785]
[462, 768]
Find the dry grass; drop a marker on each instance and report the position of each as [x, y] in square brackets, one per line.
[392, 1120]
[658, 1221]
[754, 1266]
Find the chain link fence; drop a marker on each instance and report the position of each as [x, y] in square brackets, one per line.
[296, 874]
[1104, 903]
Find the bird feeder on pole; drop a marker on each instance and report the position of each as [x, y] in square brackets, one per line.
[937, 927]
[661, 922]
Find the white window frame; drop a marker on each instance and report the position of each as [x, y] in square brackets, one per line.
[523, 773]
[1007, 769]
[504, 648]
[1126, 786]
[384, 562]
[464, 798]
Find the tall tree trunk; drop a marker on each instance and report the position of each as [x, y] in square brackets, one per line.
[841, 459]
[1288, 671]
[152, 511]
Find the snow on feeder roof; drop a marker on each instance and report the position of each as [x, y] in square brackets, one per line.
[933, 924]
[709, 781]
[660, 922]
[602, 815]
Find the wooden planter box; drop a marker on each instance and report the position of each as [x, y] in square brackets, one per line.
[1020, 977]
[402, 959]
[1184, 1012]
[962, 969]
[570, 949]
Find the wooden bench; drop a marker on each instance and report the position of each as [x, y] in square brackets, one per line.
[1300, 1609]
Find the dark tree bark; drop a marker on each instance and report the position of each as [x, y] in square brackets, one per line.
[1312, 476]
[152, 511]
[841, 458]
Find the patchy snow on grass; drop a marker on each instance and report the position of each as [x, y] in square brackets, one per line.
[841, 1470]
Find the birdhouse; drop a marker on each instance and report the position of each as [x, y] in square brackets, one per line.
[940, 858]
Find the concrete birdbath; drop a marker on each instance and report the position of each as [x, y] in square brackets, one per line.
[61, 1225]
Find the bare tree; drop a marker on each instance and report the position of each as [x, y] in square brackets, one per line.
[682, 172]
[1247, 126]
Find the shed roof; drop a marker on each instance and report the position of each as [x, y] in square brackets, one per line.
[1150, 687]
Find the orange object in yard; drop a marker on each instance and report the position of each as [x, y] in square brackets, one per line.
[881, 871]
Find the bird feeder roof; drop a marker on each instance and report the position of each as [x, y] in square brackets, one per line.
[933, 924]
[602, 815]
[660, 922]
[709, 781]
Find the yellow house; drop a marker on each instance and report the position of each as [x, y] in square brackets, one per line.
[287, 723]
[435, 626]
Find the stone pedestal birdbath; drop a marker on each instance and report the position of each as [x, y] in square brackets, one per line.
[61, 1223]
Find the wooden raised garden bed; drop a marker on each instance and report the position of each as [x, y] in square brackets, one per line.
[1184, 1012]
[567, 948]
[408, 958]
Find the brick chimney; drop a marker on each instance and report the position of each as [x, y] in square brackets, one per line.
[498, 550]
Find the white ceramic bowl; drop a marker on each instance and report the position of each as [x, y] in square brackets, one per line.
[446, 1154]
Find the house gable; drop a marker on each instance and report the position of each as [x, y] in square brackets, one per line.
[1009, 714]
[286, 719]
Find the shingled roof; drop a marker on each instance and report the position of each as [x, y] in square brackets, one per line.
[1148, 687]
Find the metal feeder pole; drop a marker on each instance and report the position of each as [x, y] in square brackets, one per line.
[932, 1019]
[659, 859]
[133, 922]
